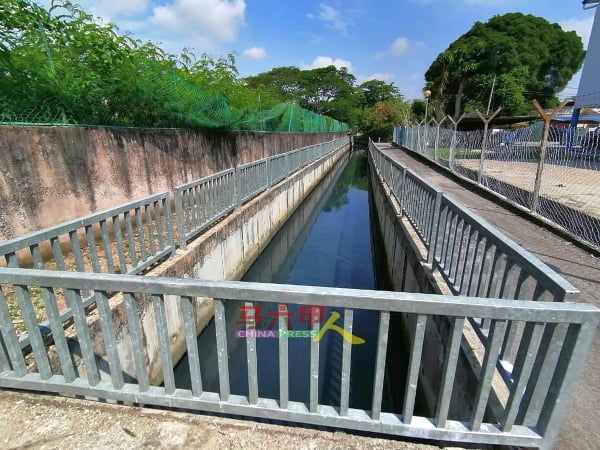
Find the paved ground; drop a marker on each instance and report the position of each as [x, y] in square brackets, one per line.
[576, 187]
[581, 430]
[29, 421]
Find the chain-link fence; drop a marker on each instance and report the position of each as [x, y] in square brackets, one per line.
[547, 169]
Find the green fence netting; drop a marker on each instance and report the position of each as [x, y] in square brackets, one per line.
[181, 104]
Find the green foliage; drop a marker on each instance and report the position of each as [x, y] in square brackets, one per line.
[378, 121]
[418, 108]
[326, 90]
[62, 66]
[373, 91]
[526, 55]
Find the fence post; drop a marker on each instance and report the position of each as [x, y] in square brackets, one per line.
[437, 138]
[486, 120]
[180, 219]
[543, 148]
[453, 141]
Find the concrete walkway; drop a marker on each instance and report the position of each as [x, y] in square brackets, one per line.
[31, 421]
[581, 430]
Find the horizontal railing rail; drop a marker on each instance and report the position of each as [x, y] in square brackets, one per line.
[532, 412]
[201, 203]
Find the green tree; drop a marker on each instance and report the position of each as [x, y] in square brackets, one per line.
[373, 91]
[378, 122]
[523, 56]
[328, 90]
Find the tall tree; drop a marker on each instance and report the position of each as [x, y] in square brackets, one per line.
[522, 56]
[372, 91]
[326, 90]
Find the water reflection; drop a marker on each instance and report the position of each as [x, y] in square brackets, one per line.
[327, 242]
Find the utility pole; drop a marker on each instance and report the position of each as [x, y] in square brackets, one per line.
[487, 112]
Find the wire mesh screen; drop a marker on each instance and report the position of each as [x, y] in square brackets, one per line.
[467, 153]
[568, 179]
[511, 162]
[570, 182]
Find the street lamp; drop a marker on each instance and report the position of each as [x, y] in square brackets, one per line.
[426, 94]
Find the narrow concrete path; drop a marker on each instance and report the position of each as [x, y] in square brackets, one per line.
[34, 421]
[581, 429]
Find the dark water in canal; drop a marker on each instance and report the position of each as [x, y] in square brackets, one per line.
[329, 241]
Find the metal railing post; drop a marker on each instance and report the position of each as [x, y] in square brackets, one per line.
[268, 172]
[236, 188]
[169, 223]
[403, 190]
[180, 218]
[435, 219]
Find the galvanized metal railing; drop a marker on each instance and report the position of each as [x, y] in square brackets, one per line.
[419, 200]
[466, 249]
[531, 416]
[473, 257]
[134, 237]
[201, 203]
[127, 239]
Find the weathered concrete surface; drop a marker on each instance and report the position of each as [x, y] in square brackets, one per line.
[581, 268]
[53, 174]
[45, 422]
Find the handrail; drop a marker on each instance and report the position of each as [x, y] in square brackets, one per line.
[531, 415]
[451, 255]
[237, 186]
[137, 235]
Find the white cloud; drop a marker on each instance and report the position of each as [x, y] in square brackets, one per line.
[382, 76]
[399, 47]
[326, 61]
[255, 52]
[332, 16]
[583, 27]
[203, 19]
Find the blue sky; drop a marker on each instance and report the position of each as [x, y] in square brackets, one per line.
[388, 40]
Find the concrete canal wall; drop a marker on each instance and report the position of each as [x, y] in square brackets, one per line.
[53, 174]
